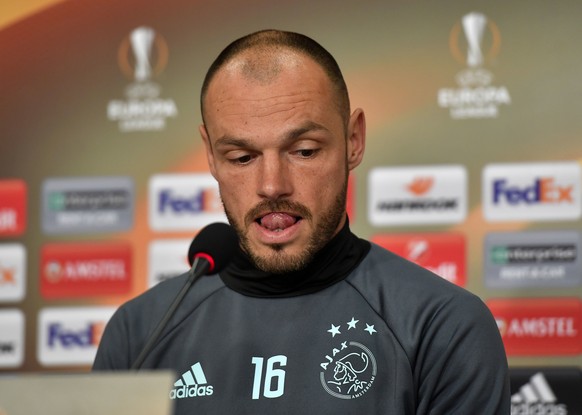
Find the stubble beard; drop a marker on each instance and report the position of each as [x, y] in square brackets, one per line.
[278, 260]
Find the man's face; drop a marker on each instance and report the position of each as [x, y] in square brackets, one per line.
[279, 152]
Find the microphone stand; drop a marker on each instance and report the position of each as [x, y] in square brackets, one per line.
[199, 268]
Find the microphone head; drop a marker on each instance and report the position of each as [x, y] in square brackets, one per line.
[217, 241]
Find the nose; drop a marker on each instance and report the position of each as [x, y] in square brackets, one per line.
[275, 181]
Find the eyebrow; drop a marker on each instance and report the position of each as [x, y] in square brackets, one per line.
[289, 136]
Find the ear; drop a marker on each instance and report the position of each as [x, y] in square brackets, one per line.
[356, 140]
[208, 146]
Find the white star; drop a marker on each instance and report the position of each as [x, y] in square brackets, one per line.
[370, 329]
[334, 330]
[352, 324]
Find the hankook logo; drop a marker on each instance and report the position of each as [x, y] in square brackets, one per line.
[417, 195]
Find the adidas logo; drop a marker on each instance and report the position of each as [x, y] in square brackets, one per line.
[192, 383]
[536, 397]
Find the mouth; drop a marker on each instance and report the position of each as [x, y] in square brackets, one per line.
[278, 221]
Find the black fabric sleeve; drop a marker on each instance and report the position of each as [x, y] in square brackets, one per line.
[461, 365]
[113, 352]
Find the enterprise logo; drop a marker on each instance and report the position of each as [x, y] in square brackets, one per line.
[184, 202]
[417, 195]
[536, 191]
[89, 200]
[99, 204]
[70, 336]
[533, 259]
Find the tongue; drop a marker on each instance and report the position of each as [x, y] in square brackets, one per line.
[274, 221]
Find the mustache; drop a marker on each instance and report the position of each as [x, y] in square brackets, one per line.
[268, 206]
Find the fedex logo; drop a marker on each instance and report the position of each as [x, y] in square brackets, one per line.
[70, 335]
[69, 338]
[184, 202]
[532, 191]
[198, 202]
[543, 190]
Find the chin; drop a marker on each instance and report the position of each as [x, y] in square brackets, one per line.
[278, 260]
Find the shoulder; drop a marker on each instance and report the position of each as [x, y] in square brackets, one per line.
[147, 307]
[413, 300]
[384, 273]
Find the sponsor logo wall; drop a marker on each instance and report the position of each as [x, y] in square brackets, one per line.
[472, 170]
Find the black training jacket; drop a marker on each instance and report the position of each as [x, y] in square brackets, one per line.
[375, 334]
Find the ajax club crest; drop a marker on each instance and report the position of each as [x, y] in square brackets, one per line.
[349, 370]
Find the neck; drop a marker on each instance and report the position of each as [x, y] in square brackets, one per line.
[331, 264]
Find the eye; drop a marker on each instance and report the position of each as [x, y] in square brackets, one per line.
[239, 157]
[306, 152]
[243, 159]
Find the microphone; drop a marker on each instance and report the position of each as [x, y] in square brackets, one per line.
[209, 253]
[212, 249]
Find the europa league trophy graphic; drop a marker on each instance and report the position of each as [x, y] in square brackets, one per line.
[141, 40]
[474, 27]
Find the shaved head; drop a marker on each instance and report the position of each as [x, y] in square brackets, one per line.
[261, 56]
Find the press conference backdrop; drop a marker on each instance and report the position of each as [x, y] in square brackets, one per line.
[472, 166]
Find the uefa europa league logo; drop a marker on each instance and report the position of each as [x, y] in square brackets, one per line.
[482, 37]
[474, 27]
[142, 54]
[476, 96]
[142, 40]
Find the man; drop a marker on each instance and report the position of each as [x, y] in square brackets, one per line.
[308, 318]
